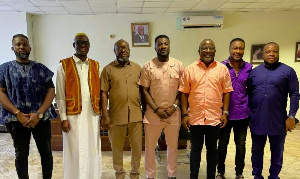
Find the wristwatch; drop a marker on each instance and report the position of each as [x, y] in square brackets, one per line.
[175, 106]
[226, 112]
[39, 114]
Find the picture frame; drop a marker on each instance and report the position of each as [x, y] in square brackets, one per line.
[297, 52]
[140, 33]
[256, 56]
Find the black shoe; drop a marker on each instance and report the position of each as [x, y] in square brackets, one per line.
[171, 177]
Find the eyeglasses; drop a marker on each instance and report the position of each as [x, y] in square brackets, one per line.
[80, 42]
[208, 48]
[120, 48]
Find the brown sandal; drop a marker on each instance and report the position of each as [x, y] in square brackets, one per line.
[220, 176]
[239, 177]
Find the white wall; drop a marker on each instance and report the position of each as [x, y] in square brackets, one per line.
[53, 35]
[30, 34]
[11, 24]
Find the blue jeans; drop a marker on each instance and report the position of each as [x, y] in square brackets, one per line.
[198, 133]
[21, 137]
[240, 134]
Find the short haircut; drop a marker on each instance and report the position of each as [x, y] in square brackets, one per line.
[80, 34]
[269, 44]
[236, 39]
[161, 36]
[18, 35]
[272, 43]
[206, 40]
[115, 45]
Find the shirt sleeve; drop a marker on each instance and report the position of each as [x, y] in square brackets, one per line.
[49, 84]
[181, 70]
[185, 82]
[145, 78]
[293, 93]
[227, 85]
[249, 89]
[2, 78]
[60, 93]
[48, 74]
[104, 80]
[2, 85]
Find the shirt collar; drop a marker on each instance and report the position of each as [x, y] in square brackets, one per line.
[226, 62]
[272, 66]
[116, 63]
[200, 63]
[23, 64]
[170, 62]
[78, 61]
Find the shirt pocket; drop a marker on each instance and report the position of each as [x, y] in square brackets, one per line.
[134, 80]
[97, 102]
[70, 102]
[214, 78]
[155, 78]
[174, 79]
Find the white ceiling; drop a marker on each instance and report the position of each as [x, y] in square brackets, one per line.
[144, 6]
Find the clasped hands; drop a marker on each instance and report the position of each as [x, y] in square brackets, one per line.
[165, 113]
[28, 120]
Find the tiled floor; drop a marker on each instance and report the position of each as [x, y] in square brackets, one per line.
[290, 170]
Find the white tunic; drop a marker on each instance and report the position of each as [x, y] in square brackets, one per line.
[82, 145]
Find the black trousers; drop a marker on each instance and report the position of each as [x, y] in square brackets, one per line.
[21, 138]
[198, 134]
[240, 134]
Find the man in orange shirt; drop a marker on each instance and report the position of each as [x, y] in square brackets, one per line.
[160, 81]
[205, 87]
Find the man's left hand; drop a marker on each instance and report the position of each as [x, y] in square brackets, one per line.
[33, 120]
[170, 110]
[223, 120]
[289, 124]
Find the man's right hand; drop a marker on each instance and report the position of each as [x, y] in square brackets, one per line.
[186, 122]
[162, 113]
[22, 118]
[65, 125]
[105, 122]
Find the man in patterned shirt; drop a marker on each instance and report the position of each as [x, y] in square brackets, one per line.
[26, 95]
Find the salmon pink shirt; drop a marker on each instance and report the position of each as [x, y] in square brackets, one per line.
[205, 87]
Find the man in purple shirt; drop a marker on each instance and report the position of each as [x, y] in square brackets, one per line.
[238, 117]
[269, 86]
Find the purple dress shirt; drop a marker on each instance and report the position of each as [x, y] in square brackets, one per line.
[238, 107]
[269, 89]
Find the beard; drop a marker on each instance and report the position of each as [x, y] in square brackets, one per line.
[122, 59]
[163, 55]
[22, 56]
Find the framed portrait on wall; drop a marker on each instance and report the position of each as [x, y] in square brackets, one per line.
[256, 56]
[297, 53]
[140, 33]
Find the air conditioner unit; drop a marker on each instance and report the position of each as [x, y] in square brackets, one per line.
[202, 22]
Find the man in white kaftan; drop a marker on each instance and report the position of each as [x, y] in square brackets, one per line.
[81, 136]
